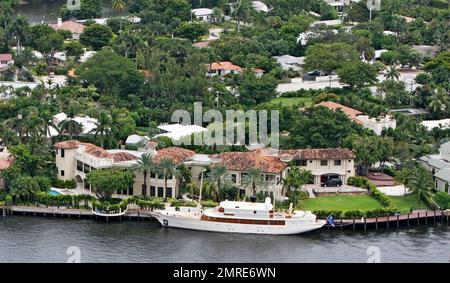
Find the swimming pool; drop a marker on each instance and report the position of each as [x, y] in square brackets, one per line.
[54, 193]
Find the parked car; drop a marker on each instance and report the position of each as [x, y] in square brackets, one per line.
[332, 182]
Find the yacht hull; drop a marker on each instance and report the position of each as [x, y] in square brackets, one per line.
[291, 227]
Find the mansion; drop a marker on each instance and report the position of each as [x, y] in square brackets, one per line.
[75, 159]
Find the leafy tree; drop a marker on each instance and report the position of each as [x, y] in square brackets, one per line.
[392, 73]
[191, 30]
[419, 179]
[106, 182]
[329, 57]
[242, 10]
[96, 36]
[254, 90]
[71, 128]
[319, 127]
[49, 45]
[24, 187]
[74, 50]
[357, 74]
[111, 74]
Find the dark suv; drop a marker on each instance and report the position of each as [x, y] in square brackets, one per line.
[332, 182]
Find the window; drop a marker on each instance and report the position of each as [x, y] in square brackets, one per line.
[87, 168]
[169, 192]
[79, 166]
[152, 191]
[62, 173]
[323, 162]
[152, 175]
[130, 191]
[160, 191]
[233, 178]
[337, 162]
[300, 162]
[144, 190]
[63, 153]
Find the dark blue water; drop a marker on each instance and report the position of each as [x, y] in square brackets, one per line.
[34, 239]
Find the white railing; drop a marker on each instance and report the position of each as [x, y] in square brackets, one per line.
[94, 161]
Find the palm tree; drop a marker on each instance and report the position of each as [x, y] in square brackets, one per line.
[421, 182]
[6, 11]
[20, 29]
[167, 168]
[242, 10]
[220, 178]
[439, 101]
[392, 73]
[119, 6]
[254, 179]
[103, 127]
[184, 175]
[295, 179]
[145, 166]
[71, 127]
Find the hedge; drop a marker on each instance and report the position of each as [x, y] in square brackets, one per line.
[350, 214]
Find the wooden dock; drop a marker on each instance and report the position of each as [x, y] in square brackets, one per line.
[414, 218]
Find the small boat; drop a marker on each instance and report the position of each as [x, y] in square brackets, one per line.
[239, 217]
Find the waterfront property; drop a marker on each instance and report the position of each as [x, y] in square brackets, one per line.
[75, 159]
[6, 60]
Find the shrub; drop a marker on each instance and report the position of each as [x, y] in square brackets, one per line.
[209, 203]
[442, 199]
[358, 181]
[61, 184]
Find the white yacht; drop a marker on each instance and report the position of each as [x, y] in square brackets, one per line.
[239, 217]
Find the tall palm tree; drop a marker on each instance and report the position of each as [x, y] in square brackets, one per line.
[254, 179]
[242, 10]
[145, 166]
[20, 29]
[421, 182]
[119, 6]
[295, 179]
[184, 175]
[220, 178]
[6, 11]
[392, 73]
[167, 168]
[103, 127]
[71, 127]
[439, 101]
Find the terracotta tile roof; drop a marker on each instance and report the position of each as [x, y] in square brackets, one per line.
[224, 66]
[177, 154]
[6, 162]
[351, 113]
[243, 161]
[321, 153]
[71, 26]
[67, 144]
[6, 57]
[97, 151]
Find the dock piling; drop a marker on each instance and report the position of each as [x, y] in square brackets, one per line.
[354, 227]
[341, 225]
[387, 222]
[365, 225]
[418, 218]
[407, 220]
[426, 217]
[397, 221]
[376, 223]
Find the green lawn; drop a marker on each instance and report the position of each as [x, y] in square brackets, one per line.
[341, 202]
[289, 101]
[404, 204]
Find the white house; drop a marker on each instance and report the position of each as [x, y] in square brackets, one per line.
[439, 165]
[203, 14]
[88, 124]
[290, 63]
[260, 6]
[431, 124]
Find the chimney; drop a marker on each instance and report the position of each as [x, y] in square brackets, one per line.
[59, 23]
